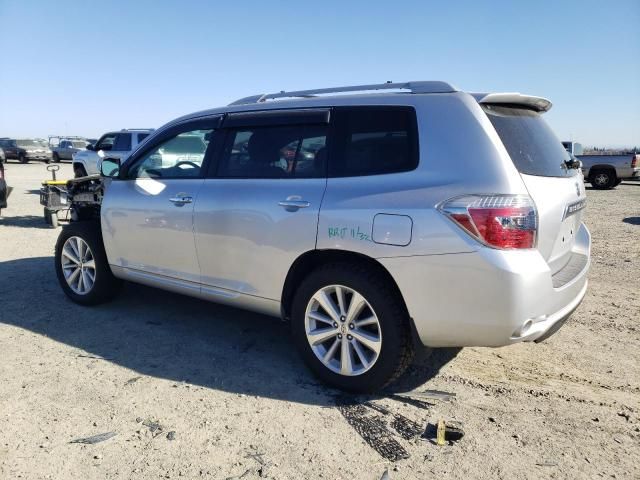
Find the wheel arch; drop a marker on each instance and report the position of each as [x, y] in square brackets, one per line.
[312, 259]
[602, 166]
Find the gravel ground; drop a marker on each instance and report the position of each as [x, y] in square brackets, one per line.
[197, 390]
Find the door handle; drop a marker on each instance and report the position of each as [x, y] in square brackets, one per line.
[181, 199]
[293, 205]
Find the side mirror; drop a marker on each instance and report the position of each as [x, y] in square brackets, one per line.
[89, 146]
[110, 167]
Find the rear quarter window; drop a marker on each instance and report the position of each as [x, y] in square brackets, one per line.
[373, 141]
[530, 142]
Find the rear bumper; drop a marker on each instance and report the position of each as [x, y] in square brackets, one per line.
[489, 297]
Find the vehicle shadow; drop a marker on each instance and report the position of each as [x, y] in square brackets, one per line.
[170, 336]
[632, 220]
[24, 221]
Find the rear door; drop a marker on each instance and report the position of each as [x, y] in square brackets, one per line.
[147, 214]
[557, 191]
[259, 210]
[121, 146]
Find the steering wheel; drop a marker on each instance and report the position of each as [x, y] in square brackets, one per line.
[186, 162]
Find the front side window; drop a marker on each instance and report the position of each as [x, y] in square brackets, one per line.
[142, 136]
[275, 152]
[106, 142]
[374, 141]
[178, 157]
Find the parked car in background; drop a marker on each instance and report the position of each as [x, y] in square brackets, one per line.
[605, 171]
[117, 144]
[361, 219]
[25, 150]
[67, 147]
[4, 191]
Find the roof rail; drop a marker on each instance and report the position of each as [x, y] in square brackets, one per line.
[413, 87]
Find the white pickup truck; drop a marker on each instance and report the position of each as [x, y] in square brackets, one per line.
[112, 144]
[605, 171]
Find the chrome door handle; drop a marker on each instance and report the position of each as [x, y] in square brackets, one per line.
[292, 205]
[181, 199]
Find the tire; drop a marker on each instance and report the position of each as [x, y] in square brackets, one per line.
[22, 158]
[618, 182]
[395, 349]
[47, 217]
[56, 157]
[79, 171]
[603, 179]
[105, 286]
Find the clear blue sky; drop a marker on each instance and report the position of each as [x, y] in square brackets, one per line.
[85, 67]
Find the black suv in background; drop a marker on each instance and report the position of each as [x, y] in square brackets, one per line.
[4, 193]
[25, 150]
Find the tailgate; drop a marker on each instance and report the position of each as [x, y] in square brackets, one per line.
[557, 191]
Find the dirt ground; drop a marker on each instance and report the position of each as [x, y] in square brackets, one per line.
[196, 390]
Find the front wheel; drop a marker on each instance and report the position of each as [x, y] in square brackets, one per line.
[22, 158]
[351, 327]
[81, 265]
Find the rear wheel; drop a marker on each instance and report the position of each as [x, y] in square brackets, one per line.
[351, 328]
[22, 158]
[603, 179]
[56, 157]
[51, 217]
[81, 265]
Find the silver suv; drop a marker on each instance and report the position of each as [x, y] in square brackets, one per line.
[115, 144]
[417, 213]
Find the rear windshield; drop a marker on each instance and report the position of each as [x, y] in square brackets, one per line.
[530, 142]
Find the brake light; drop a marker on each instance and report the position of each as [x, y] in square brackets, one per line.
[1, 173]
[499, 221]
[634, 161]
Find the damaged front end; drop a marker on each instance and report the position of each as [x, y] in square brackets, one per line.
[84, 195]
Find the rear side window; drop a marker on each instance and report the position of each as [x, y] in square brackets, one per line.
[373, 141]
[294, 151]
[122, 142]
[530, 142]
[142, 136]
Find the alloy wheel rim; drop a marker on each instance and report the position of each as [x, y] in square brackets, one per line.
[78, 265]
[602, 179]
[343, 330]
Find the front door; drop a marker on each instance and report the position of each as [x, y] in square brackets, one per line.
[259, 211]
[147, 216]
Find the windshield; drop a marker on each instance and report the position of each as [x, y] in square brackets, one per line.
[530, 142]
[28, 143]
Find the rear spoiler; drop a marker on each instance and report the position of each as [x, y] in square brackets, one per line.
[538, 104]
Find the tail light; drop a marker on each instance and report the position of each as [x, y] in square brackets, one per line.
[499, 221]
[634, 161]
